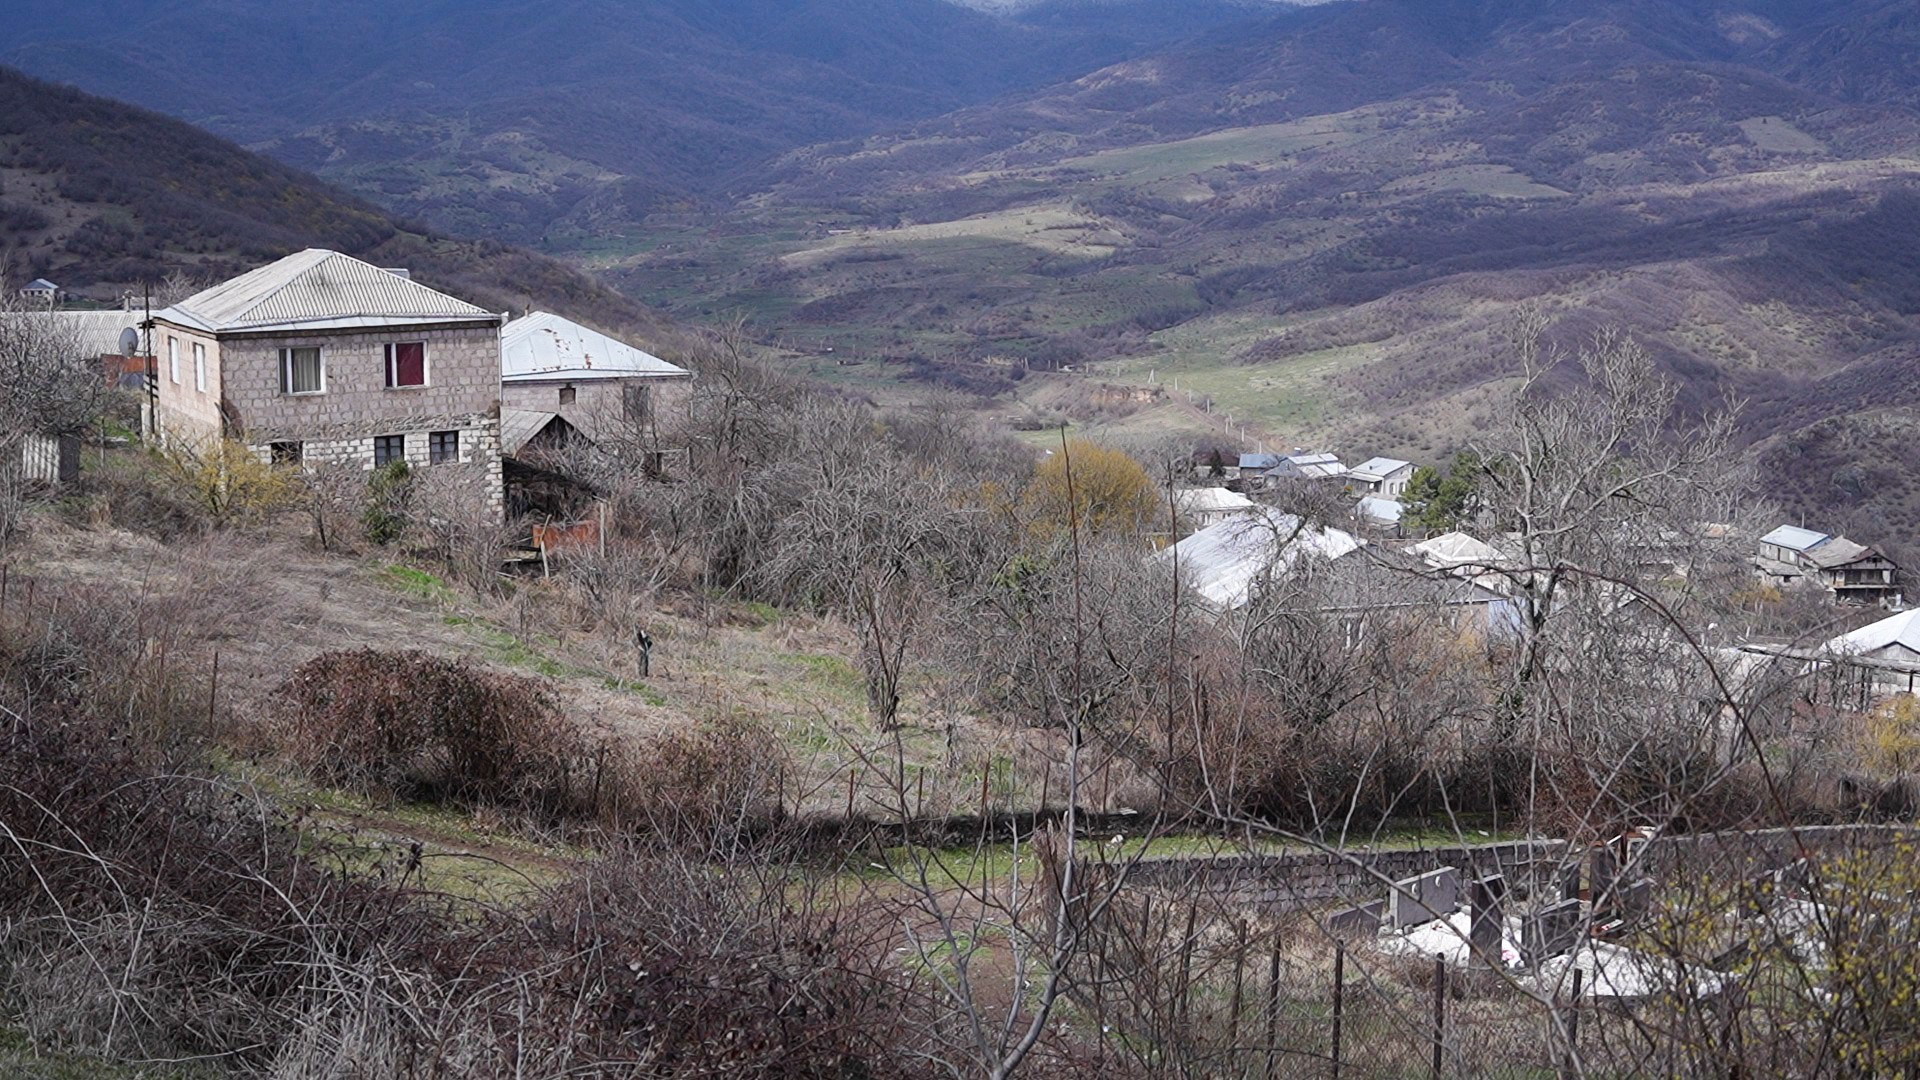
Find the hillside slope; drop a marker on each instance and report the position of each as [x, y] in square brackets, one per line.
[1325, 222]
[102, 197]
[574, 117]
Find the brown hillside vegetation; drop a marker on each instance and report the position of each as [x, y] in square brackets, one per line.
[105, 197]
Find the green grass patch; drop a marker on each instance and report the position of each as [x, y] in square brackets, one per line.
[417, 583]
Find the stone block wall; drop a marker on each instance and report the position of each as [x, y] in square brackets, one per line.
[1274, 884]
[463, 379]
[182, 411]
[599, 405]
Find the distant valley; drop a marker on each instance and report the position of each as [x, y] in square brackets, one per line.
[1316, 222]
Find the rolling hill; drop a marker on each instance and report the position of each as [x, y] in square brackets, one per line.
[102, 197]
[568, 119]
[1324, 220]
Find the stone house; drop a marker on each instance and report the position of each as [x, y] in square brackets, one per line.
[1852, 572]
[323, 357]
[1385, 477]
[597, 386]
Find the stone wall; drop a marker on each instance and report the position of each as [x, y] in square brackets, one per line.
[1275, 884]
[183, 411]
[598, 408]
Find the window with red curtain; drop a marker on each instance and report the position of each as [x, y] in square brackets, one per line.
[407, 364]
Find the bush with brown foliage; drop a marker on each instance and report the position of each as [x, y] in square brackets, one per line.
[414, 724]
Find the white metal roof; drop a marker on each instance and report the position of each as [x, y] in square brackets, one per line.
[1210, 500]
[40, 285]
[318, 289]
[1894, 637]
[1380, 468]
[1794, 538]
[545, 346]
[1380, 510]
[95, 333]
[1226, 563]
[1449, 550]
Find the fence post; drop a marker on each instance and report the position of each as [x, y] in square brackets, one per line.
[1339, 995]
[1573, 1026]
[1273, 1005]
[1439, 1016]
[213, 689]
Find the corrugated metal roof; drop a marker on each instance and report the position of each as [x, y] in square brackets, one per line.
[1839, 551]
[545, 346]
[1380, 510]
[1226, 563]
[1794, 538]
[319, 289]
[1259, 461]
[1900, 631]
[519, 426]
[1210, 500]
[1380, 468]
[95, 333]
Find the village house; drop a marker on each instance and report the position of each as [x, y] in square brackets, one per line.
[1886, 654]
[323, 357]
[1853, 573]
[559, 379]
[40, 291]
[1385, 477]
[1204, 507]
[1304, 466]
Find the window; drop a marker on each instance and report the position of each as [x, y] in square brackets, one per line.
[199, 367]
[568, 395]
[638, 401]
[389, 448]
[284, 453]
[443, 447]
[302, 371]
[406, 364]
[173, 358]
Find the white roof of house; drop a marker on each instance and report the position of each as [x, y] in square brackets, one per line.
[1453, 549]
[1226, 563]
[1380, 468]
[1895, 637]
[1794, 538]
[40, 285]
[1380, 510]
[1210, 500]
[95, 333]
[545, 346]
[318, 289]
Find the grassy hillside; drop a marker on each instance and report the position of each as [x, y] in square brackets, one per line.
[1323, 226]
[101, 196]
[515, 122]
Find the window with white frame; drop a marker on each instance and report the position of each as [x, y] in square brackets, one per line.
[302, 371]
[199, 367]
[173, 359]
[406, 364]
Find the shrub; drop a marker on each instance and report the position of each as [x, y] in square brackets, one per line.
[388, 489]
[420, 725]
[709, 783]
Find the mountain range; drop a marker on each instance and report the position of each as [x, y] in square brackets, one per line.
[104, 197]
[519, 122]
[1316, 221]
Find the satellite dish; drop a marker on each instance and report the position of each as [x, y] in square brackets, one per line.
[129, 342]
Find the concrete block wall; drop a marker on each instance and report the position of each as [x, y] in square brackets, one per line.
[599, 405]
[182, 411]
[463, 379]
[1275, 884]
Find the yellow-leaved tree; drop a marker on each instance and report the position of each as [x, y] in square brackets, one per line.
[1101, 488]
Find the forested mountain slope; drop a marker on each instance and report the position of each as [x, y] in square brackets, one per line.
[574, 117]
[102, 196]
